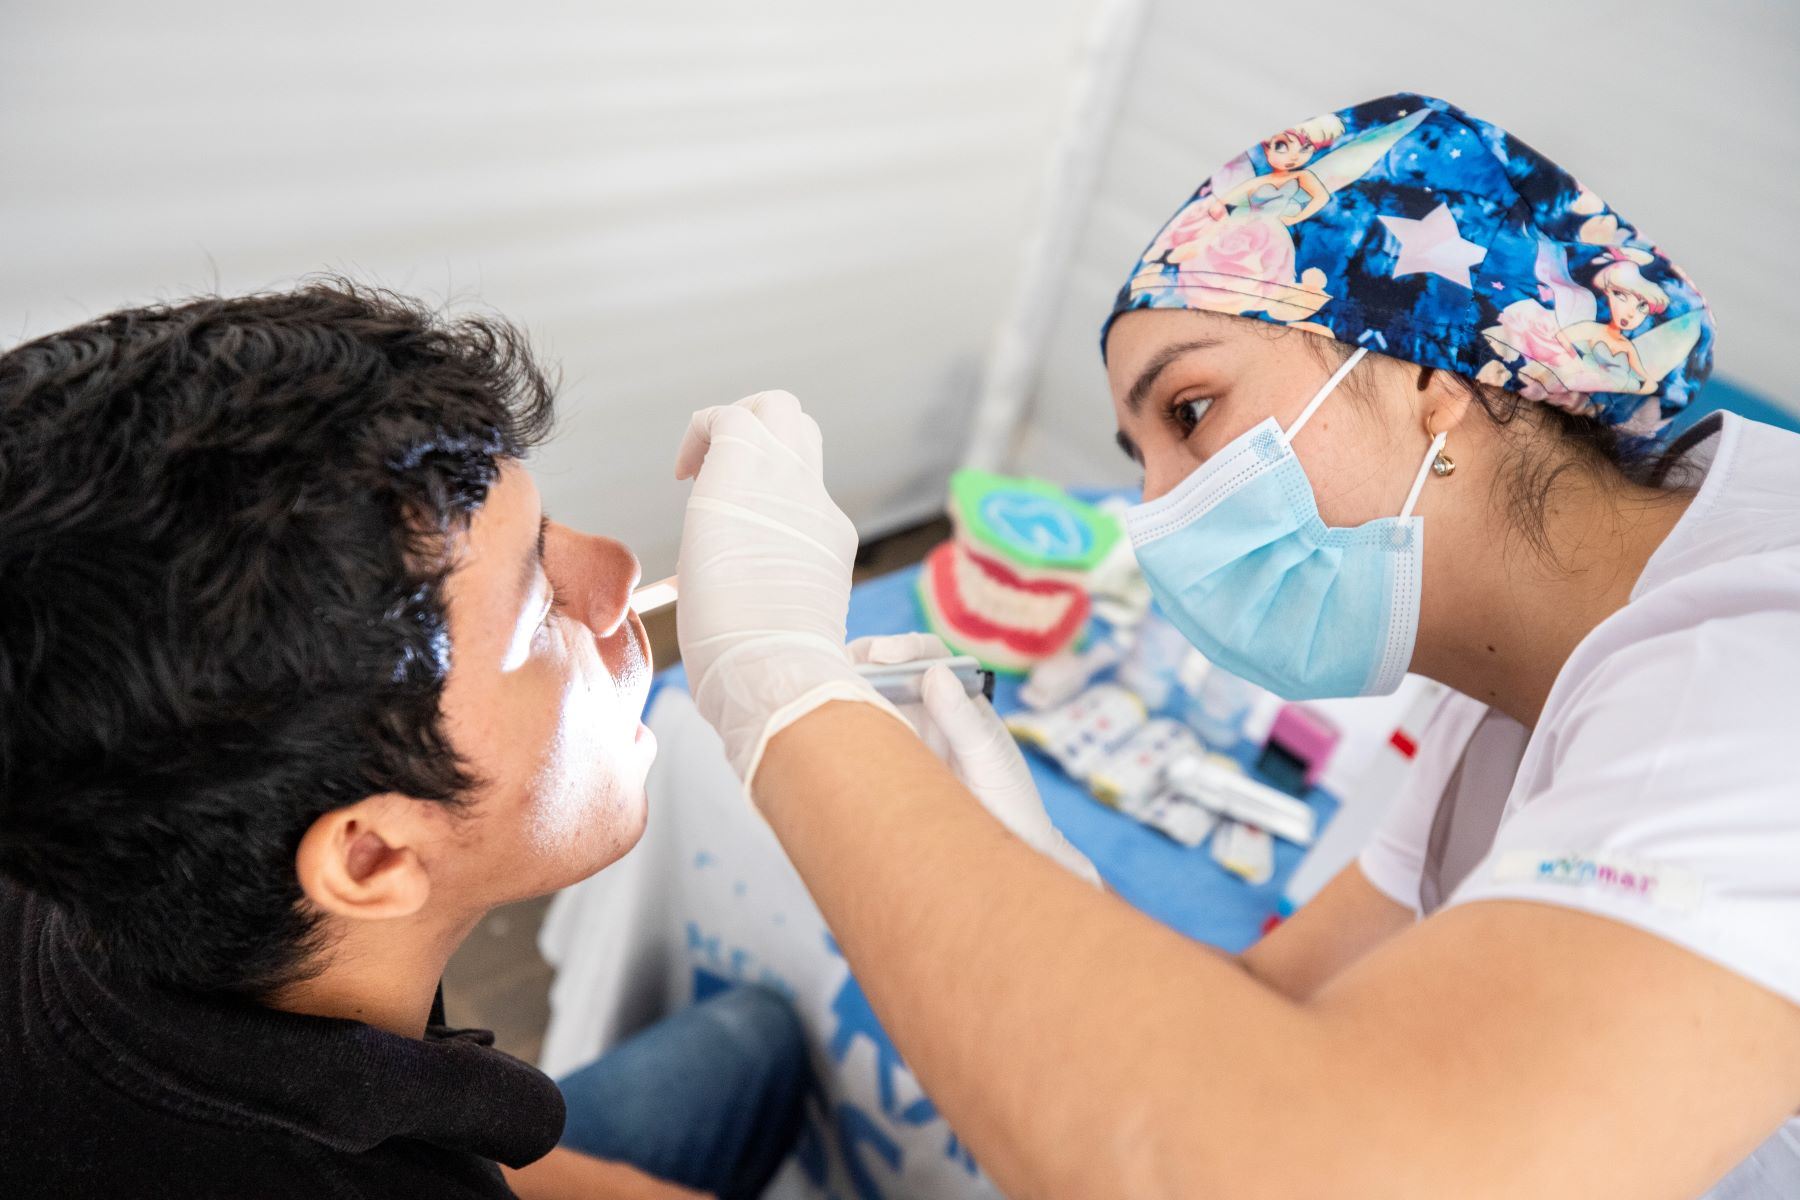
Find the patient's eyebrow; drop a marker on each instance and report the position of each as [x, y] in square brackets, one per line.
[534, 558]
[1140, 387]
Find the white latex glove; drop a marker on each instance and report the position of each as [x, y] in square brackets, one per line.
[969, 736]
[890, 649]
[764, 575]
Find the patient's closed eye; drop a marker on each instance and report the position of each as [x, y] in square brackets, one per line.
[552, 606]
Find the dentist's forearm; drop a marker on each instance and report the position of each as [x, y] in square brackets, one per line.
[1078, 1047]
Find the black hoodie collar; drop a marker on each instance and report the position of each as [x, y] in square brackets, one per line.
[344, 1084]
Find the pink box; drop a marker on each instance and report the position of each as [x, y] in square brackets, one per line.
[1305, 734]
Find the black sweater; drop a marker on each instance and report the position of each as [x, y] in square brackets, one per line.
[115, 1090]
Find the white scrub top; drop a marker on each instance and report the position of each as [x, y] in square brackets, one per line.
[1661, 785]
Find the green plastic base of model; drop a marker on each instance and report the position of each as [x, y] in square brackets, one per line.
[1031, 522]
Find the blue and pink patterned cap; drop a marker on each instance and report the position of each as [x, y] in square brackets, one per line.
[1412, 228]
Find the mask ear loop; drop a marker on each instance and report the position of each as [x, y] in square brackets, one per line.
[1312, 406]
[1412, 497]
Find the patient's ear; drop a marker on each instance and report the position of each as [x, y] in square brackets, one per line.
[360, 861]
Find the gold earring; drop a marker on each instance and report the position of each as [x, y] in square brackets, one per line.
[1442, 465]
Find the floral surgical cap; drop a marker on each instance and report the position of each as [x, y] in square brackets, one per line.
[1412, 228]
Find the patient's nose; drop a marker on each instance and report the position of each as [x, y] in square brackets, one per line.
[593, 576]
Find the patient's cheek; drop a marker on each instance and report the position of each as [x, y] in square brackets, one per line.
[586, 795]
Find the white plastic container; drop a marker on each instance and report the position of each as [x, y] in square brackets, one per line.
[1218, 702]
[1154, 660]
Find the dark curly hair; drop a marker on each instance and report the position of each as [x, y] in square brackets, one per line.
[224, 534]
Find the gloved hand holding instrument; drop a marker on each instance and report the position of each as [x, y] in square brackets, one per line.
[764, 575]
[970, 737]
[764, 578]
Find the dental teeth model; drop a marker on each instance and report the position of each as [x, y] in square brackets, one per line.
[1010, 587]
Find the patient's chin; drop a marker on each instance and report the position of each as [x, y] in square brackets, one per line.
[634, 820]
[626, 819]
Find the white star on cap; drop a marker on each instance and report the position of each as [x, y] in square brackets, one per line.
[1433, 245]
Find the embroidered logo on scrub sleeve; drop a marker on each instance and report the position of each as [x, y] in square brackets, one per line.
[1610, 874]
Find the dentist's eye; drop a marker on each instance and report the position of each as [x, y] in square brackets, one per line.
[1186, 414]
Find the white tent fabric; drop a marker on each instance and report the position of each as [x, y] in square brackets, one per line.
[683, 202]
[1685, 116]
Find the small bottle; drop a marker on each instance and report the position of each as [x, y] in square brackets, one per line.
[1153, 661]
[1218, 702]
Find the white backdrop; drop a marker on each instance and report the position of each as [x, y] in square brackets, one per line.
[688, 201]
[1684, 114]
[683, 202]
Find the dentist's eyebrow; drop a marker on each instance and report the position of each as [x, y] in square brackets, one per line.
[1127, 445]
[1140, 387]
[534, 558]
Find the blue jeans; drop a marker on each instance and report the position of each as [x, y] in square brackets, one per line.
[709, 1097]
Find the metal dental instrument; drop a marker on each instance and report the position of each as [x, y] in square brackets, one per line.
[899, 682]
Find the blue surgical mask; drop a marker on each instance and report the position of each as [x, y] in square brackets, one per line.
[1239, 559]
